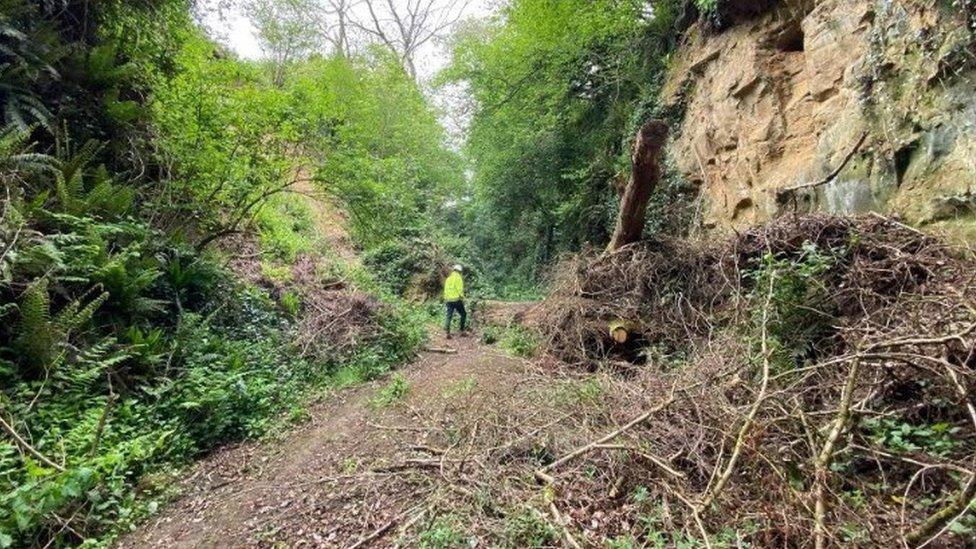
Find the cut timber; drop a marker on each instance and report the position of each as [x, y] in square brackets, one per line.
[620, 330]
[442, 350]
[644, 176]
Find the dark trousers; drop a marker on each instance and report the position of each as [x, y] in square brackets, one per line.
[451, 307]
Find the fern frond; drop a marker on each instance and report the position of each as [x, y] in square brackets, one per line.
[38, 341]
[90, 366]
[75, 315]
[76, 164]
[36, 109]
[35, 306]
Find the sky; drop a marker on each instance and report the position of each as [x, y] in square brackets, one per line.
[452, 102]
[237, 32]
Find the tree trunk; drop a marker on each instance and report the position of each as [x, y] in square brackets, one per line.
[644, 176]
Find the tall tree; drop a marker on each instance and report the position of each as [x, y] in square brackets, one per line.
[404, 26]
[559, 89]
[287, 29]
[338, 33]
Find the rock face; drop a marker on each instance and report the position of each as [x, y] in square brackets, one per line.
[832, 105]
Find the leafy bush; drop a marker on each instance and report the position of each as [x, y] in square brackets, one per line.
[416, 264]
[800, 313]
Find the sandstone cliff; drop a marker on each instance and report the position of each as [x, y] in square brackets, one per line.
[833, 105]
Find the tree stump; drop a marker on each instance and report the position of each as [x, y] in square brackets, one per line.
[645, 174]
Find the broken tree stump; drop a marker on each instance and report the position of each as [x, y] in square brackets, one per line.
[645, 174]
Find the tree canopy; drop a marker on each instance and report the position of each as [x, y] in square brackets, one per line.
[559, 88]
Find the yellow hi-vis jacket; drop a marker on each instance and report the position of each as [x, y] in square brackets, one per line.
[454, 287]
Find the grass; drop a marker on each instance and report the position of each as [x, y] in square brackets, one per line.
[285, 227]
[392, 392]
[572, 392]
[347, 376]
[460, 388]
[516, 340]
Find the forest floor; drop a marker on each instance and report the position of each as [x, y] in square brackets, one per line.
[350, 470]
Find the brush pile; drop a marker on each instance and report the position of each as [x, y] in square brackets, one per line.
[333, 320]
[806, 383]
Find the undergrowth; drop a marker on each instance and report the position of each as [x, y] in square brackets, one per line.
[516, 339]
[394, 391]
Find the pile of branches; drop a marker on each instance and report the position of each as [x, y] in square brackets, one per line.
[333, 320]
[839, 412]
[665, 289]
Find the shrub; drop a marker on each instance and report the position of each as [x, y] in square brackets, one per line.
[416, 265]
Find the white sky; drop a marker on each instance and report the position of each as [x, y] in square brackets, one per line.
[237, 32]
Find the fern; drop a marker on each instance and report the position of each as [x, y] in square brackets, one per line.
[21, 106]
[77, 313]
[103, 195]
[91, 365]
[25, 64]
[15, 158]
[41, 339]
[37, 341]
[127, 285]
[6, 309]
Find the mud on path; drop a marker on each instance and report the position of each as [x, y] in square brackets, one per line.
[350, 470]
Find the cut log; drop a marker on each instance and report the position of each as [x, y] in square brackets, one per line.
[644, 176]
[620, 330]
[442, 350]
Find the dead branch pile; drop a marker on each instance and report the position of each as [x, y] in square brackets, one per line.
[834, 410]
[333, 320]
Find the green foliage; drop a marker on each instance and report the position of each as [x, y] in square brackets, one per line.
[291, 303]
[707, 7]
[525, 528]
[560, 88]
[130, 143]
[42, 337]
[387, 150]
[392, 392]
[460, 388]
[416, 264]
[284, 227]
[575, 392]
[442, 533]
[937, 439]
[229, 135]
[515, 339]
[800, 313]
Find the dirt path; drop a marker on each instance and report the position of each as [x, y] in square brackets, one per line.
[351, 469]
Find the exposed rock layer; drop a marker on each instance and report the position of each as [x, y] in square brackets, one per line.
[831, 105]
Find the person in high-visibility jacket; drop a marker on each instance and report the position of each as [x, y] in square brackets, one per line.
[454, 299]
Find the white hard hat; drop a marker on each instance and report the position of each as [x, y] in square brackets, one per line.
[458, 268]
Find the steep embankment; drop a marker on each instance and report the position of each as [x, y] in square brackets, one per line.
[829, 105]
